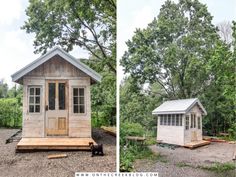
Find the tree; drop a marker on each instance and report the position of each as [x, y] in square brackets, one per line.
[3, 89]
[225, 31]
[90, 24]
[174, 49]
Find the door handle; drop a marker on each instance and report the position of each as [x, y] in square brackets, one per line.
[46, 107]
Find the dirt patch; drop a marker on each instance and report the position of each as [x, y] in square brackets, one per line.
[185, 162]
[37, 163]
[205, 155]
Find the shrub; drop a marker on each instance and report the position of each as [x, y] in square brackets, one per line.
[232, 132]
[130, 129]
[10, 112]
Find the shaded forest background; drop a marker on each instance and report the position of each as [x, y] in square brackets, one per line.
[180, 54]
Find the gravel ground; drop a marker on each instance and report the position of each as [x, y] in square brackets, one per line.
[36, 163]
[170, 165]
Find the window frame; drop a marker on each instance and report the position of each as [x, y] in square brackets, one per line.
[199, 123]
[187, 122]
[85, 102]
[34, 96]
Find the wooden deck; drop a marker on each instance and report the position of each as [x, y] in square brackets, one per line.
[196, 144]
[54, 144]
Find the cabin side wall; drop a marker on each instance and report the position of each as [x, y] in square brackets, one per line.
[193, 132]
[170, 134]
[80, 124]
[33, 123]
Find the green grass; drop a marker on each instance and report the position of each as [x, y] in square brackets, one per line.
[151, 141]
[133, 152]
[219, 167]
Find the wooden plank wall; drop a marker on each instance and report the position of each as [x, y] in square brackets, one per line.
[33, 123]
[57, 68]
[80, 124]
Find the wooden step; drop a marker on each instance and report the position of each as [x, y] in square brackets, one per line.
[54, 144]
[196, 144]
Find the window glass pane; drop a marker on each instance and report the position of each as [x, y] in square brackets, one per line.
[31, 91]
[199, 123]
[51, 96]
[180, 119]
[37, 99]
[161, 121]
[37, 108]
[37, 92]
[81, 91]
[81, 100]
[81, 109]
[76, 109]
[169, 119]
[177, 119]
[75, 100]
[61, 96]
[75, 92]
[165, 119]
[173, 119]
[187, 122]
[31, 108]
[31, 99]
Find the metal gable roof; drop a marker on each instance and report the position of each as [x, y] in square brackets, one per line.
[178, 106]
[66, 56]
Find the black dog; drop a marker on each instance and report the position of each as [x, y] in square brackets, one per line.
[96, 149]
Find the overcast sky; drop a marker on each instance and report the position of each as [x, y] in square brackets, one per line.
[16, 47]
[134, 14]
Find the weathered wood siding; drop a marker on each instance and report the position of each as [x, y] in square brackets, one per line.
[55, 69]
[170, 134]
[80, 124]
[188, 133]
[33, 123]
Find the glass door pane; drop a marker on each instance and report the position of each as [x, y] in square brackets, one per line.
[62, 96]
[51, 96]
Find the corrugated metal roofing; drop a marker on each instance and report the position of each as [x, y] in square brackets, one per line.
[178, 106]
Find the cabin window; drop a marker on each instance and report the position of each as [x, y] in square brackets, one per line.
[177, 119]
[194, 121]
[180, 119]
[186, 122]
[161, 119]
[199, 122]
[169, 119]
[191, 126]
[34, 99]
[78, 100]
[173, 120]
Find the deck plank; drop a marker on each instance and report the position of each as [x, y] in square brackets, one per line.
[196, 144]
[55, 143]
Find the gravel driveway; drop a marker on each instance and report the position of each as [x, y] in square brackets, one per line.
[175, 162]
[36, 163]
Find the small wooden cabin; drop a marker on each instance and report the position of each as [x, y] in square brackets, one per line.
[56, 97]
[180, 121]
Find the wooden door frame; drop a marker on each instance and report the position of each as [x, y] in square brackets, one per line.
[66, 81]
